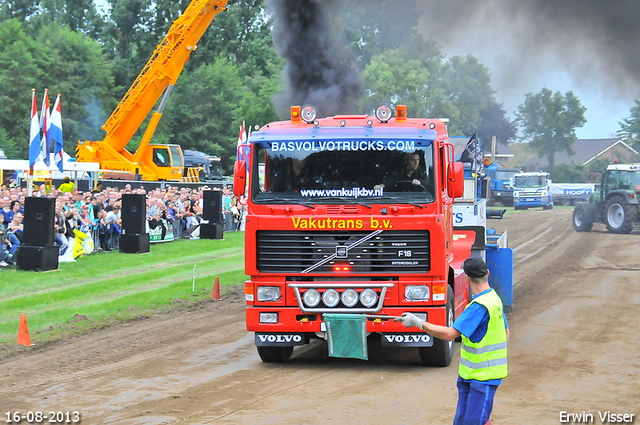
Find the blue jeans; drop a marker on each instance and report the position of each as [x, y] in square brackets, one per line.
[475, 402]
[15, 242]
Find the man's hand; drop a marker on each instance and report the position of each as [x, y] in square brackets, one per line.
[409, 320]
[416, 182]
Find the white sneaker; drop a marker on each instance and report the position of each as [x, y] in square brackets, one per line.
[3, 264]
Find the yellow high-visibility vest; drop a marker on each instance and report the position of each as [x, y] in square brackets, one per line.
[486, 359]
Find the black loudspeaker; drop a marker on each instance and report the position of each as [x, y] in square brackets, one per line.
[38, 221]
[134, 243]
[134, 213]
[212, 231]
[37, 258]
[212, 206]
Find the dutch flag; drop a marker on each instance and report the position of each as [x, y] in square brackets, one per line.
[45, 122]
[242, 144]
[55, 134]
[35, 149]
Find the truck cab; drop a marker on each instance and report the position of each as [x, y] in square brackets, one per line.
[352, 215]
[501, 185]
[532, 190]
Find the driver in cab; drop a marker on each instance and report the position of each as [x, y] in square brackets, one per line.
[409, 179]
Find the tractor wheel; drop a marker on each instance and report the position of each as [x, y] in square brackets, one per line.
[580, 222]
[441, 353]
[619, 216]
[275, 354]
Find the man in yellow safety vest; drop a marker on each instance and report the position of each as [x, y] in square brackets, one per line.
[483, 357]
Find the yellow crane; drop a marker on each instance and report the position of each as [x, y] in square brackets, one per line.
[152, 162]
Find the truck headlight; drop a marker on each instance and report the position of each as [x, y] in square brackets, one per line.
[416, 293]
[311, 297]
[268, 293]
[331, 298]
[349, 298]
[368, 297]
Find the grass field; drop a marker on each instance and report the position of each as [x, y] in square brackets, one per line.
[105, 287]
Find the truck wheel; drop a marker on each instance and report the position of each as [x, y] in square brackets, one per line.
[580, 223]
[619, 216]
[491, 202]
[548, 207]
[275, 354]
[441, 353]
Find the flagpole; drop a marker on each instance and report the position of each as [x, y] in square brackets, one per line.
[30, 176]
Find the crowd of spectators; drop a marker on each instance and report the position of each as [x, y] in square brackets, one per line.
[97, 213]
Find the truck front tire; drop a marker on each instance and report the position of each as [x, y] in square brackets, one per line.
[619, 216]
[441, 353]
[275, 354]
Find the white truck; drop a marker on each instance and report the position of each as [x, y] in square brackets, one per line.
[532, 190]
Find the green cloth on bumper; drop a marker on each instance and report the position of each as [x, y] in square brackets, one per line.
[347, 335]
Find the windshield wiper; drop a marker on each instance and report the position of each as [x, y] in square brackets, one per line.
[339, 198]
[404, 201]
[292, 201]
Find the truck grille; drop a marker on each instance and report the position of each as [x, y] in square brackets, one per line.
[385, 252]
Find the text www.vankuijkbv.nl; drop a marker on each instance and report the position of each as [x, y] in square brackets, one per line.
[356, 192]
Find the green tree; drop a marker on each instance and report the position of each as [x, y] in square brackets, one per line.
[494, 122]
[549, 120]
[630, 127]
[418, 76]
[374, 30]
[63, 61]
[19, 72]
[467, 84]
[18, 9]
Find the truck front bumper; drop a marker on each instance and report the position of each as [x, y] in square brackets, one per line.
[291, 319]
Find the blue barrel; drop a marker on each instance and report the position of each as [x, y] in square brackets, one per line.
[500, 264]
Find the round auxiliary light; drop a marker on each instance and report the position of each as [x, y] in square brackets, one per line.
[349, 298]
[369, 123]
[384, 113]
[368, 297]
[343, 123]
[311, 297]
[331, 298]
[308, 113]
[432, 125]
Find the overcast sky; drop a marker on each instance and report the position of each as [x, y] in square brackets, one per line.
[591, 47]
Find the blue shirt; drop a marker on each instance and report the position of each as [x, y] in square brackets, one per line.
[473, 323]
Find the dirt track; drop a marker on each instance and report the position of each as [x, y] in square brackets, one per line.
[573, 348]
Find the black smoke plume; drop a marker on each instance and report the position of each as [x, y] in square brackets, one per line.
[595, 41]
[321, 69]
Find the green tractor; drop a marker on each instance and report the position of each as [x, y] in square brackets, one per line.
[614, 202]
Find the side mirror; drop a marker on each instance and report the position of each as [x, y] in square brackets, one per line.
[455, 186]
[239, 177]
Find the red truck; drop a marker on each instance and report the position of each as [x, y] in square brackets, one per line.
[352, 214]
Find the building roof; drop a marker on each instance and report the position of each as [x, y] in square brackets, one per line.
[585, 151]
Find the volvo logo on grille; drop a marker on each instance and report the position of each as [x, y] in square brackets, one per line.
[341, 252]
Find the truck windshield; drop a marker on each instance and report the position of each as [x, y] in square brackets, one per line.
[505, 175]
[339, 171]
[530, 182]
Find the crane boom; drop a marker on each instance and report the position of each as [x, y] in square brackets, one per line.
[161, 71]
